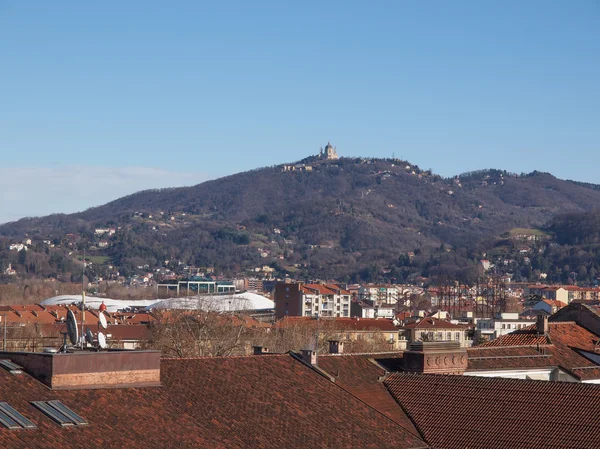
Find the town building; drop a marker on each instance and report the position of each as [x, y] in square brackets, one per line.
[557, 350]
[311, 300]
[435, 329]
[502, 324]
[549, 306]
[379, 293]
[370, 309]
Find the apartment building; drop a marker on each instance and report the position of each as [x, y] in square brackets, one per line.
[379, 293]
[312, 300]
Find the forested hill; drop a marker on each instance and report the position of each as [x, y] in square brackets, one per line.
[332, 220]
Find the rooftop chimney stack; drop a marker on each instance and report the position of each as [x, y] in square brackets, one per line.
[336, 347]
[542, 324]
[435, 357]
[309, 356]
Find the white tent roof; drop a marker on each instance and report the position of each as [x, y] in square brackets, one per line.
[219, 303]
[112, 305]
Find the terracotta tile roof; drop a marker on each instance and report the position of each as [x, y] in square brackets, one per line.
[361, 324]
[456, 412]
[554, 302]
[324, 289]
[562, 348]
[432, 323]
[222, 403]
[499, 358]
[360, 374]
[527, 336]
[365, 324]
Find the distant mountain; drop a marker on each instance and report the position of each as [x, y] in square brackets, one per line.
[315, 218]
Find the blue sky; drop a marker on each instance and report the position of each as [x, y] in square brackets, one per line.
[98, 100]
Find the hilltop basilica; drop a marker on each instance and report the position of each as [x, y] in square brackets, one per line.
[329, 152]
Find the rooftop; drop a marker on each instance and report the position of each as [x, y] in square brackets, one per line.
[565, 346]
[432, 323]
[270, 401]
[494, 413]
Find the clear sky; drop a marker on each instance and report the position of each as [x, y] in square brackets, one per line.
[100, 99]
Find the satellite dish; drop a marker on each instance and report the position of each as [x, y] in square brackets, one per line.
[101, 340]
[102, 322]
[72, 330]
[89, 337]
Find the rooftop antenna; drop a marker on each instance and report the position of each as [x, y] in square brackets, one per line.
[83, 300]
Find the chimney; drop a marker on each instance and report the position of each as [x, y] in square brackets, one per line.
[309, 356]
[435, 357]
[85, 369]
[336, 347]
[259, 350]
[542, 324]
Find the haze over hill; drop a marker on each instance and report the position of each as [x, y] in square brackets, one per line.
[332, 219]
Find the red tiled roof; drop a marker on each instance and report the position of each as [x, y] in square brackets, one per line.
[432, 323]
[554, 302]
[454, 412]
[356, 324]
[222, 403]
[359, 374]
[562, 348]
[523, 337]
[365, 324]
[324, 289]
[499, 358]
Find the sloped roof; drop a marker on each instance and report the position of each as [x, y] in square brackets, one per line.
[527, 336]
[324, 289]
[223, 403]
[360, 374]
[432, 323]
[554, 302]
[341, 324]
[561, 348]
[495, 413]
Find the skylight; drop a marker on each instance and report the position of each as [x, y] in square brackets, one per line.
[13, 368]
[59, 412]
[12, 419]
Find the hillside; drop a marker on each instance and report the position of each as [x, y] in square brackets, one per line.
[341, 218]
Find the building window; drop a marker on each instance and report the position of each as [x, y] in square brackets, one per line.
[448, 336]
[457, 336]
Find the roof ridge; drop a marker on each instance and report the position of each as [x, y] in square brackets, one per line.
[359, 353]
[211, 357]
[420, 437]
